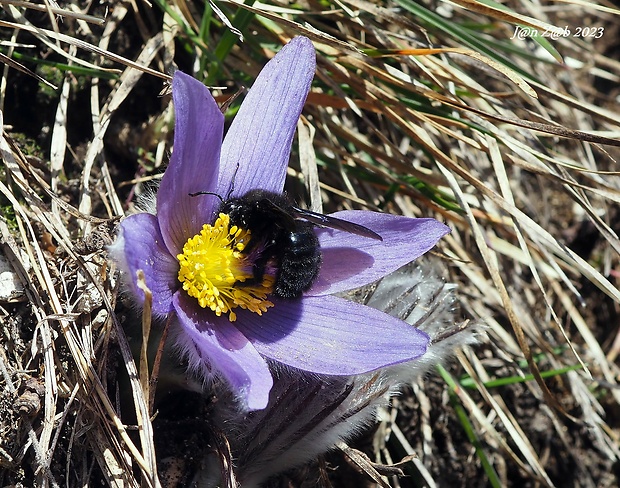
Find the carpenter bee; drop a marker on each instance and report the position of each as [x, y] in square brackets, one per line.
[283, 235]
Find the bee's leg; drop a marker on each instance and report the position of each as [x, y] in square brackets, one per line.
[264, 252]
[258, 271]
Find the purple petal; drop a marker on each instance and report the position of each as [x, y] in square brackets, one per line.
[221, 346]
[260, 137]
[140, 246]
[351, 261]
[194, 164]
[330, 335]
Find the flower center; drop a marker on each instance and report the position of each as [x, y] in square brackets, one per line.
[213, 270]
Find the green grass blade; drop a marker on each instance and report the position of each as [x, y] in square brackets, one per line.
[468, 428]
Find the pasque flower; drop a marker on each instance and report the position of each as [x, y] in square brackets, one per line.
[228, 324]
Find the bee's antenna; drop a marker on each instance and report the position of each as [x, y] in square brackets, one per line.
[232, 182]
[230, 190]
[206, 193]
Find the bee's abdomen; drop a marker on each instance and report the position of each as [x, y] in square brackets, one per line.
[300, 263]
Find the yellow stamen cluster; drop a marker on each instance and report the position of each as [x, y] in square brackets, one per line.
[213, 269]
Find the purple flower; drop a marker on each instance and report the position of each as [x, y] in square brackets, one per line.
[195, 265]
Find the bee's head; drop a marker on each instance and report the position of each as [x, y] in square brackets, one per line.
[236, 209]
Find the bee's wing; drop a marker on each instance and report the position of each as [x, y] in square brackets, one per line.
[286, 218]
[334, 223]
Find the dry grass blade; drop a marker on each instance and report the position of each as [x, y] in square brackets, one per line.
[56, 11]
[129, 79]
[361, 460]
[592, 5]
[45, 35]
[507, 16]
[15, 65]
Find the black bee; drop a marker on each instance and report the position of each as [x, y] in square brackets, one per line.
[285, 236]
